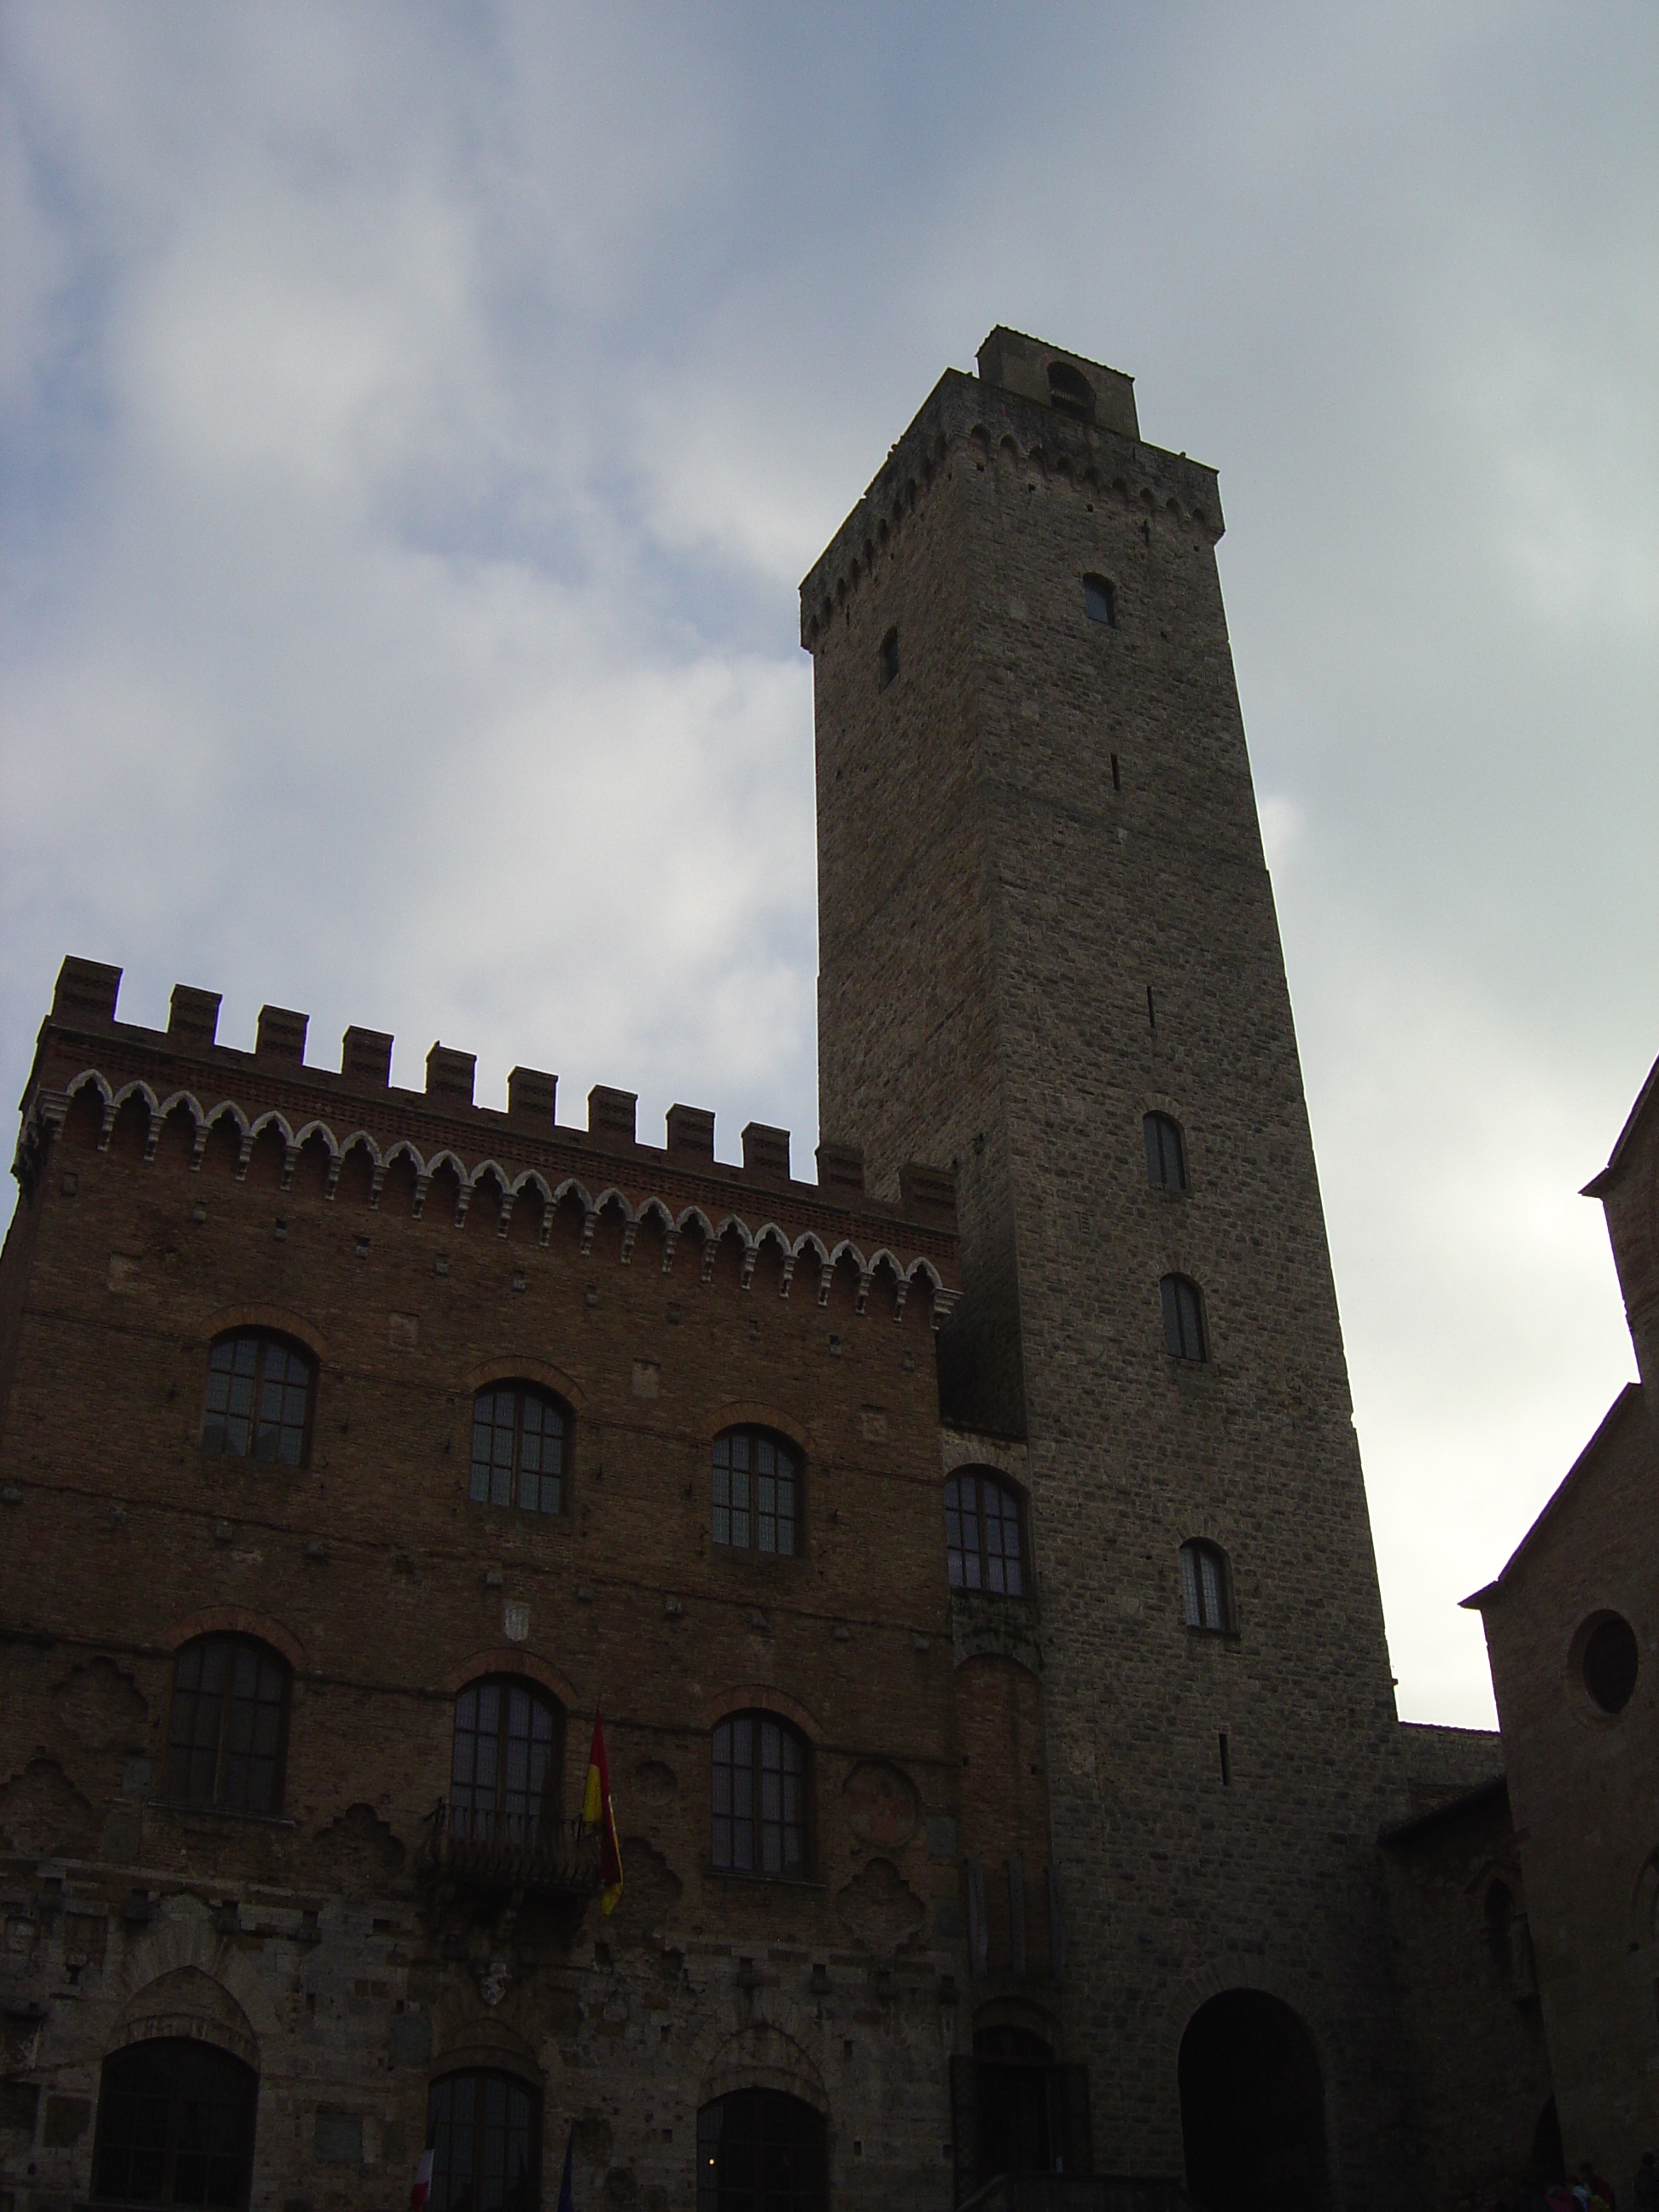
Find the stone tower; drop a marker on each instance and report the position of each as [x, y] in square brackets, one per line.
[1044, 918]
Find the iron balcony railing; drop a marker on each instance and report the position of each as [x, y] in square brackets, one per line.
[477, 1848]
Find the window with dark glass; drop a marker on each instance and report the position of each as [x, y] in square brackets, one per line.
[756, 1492]
[890, 658]
[1166, 1157]
[760, 1797]
[518, 1437]
[226, 1729]
[982, 1533]
[1183, 1319]
[1204, 1586]
[1099, 599]
[760, 2150]
[507, 1762]
[485, 2132]
[175, 2125]
[1611, 1663]
[259, 1398]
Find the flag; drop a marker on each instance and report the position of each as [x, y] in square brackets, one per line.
[567, 2201]
[422, 2187]
[599, 1813]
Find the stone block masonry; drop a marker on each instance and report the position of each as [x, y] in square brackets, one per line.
[1044, 914]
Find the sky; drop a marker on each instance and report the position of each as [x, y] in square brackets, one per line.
[416, 421]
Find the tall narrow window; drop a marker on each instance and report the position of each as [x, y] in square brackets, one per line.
[983, 1534]
[1204, 1586]
[890, 658]
[760, 1797]
[504, 1766]
[517, 1448]
[259, 1398]
[1099, 600]
[1166, 1157]
[485, 2132]
[226, 1728]
[175, 2125]
[1183, 1319]
[757, 1504]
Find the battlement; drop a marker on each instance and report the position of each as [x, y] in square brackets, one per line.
[1081, 431]
[184, 1070]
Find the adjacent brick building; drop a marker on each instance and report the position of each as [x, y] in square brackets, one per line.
[1572, 1632]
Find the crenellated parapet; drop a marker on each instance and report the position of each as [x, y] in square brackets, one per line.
[446, 1157]
[991, 424]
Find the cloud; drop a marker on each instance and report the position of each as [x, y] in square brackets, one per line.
[416, 423]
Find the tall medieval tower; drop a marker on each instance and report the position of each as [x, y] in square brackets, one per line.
[1045, 918]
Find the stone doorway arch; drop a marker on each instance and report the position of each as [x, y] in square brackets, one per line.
[1253, 2108]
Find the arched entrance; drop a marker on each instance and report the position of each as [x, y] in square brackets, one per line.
[759, 2150]
[1252, 2108]
[175, 2125]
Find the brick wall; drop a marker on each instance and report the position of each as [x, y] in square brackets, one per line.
[314, 1939]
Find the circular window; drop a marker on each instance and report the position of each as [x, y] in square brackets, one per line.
[1609, 1663]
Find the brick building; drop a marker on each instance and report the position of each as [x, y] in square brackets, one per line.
[971, 1560]
[1572, 1633]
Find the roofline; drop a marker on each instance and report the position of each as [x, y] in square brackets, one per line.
[1399, 1831]
[1599, 1185]
[1477, 1601]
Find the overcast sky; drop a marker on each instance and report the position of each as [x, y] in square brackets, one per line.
[416, 422]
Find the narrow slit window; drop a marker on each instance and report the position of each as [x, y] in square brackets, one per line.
[1166, 1157]
[1100, 601]
[1183, 1319]
[1117, 778]
[890, 658]
[1204, 1586]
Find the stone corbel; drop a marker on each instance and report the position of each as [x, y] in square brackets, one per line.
[509, 1198]
[243, 1155]
[750, 1254]
[590, 1223]
[866, 1277]
[630, 1230]
[789, 1274]
[423, 1184]
[290, 1161]
[669, 1242]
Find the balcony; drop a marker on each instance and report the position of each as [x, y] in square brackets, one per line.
[521, 1857]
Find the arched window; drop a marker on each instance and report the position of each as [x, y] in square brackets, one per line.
[889, 659]
[1071, 391]
[1166, 1157]
[259, 1390]
[760, 1766]
[485, 2131]
[759, 2150]
[518, 1441]
[1183, 1319]
[1099, 600]
[1204, 1586]
[175, 2125]
[756, 1492]
[982, 1533]
[507, 1762]
[227, 1728]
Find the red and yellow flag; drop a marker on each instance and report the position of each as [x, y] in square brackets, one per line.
[597, 1812]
